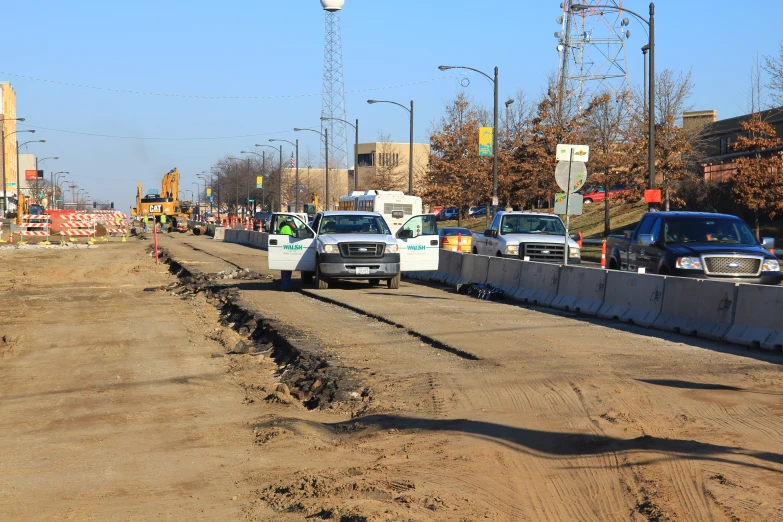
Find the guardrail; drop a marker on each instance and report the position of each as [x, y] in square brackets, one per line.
[738, 313]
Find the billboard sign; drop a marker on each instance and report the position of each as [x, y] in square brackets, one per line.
[30, 175]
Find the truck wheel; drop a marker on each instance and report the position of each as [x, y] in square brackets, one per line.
[393, 283]
[307, 278]
[321, 283]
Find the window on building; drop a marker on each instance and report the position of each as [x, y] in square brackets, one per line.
[366, 160]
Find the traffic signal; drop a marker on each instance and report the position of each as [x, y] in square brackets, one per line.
[94, 205]
[112, 205]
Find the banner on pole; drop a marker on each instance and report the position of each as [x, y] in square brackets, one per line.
[209, 191]
[259, 182]
[485, 141]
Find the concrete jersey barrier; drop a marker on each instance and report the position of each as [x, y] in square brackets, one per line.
[697, 307]
[474, 269]
[758, 319]
[633, 298]
[504, 273]
[581, 289]
[537, 283]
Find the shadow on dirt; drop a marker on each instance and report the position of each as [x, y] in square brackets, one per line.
[557, 445]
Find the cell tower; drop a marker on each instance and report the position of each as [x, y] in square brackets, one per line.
[591, 48]
[333, 101]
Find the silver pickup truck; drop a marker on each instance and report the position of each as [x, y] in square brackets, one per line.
[534, 236]
[352, 245]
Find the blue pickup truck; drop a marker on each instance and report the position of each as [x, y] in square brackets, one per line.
[695, 244]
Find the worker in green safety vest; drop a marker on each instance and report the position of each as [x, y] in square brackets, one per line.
[163, 222]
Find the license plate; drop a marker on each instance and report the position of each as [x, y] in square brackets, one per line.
[363, 270]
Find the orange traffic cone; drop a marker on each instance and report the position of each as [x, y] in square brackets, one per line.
[603, 254]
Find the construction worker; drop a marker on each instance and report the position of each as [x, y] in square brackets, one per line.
[286, 228]
[145, 220]
[163, 222]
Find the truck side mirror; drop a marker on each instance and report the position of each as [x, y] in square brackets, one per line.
[768, 243]
[490, 233]
[628, 234]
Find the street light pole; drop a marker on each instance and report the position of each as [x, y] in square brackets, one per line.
[651, 105]
[2, 146]
[325, 134]
[410, 152]
[18, 181]
[263, 167]
[296, 181]
[355, 148]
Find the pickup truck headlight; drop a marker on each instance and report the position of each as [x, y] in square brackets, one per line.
[689, 263]
[330, 248]
[574, 252]
[770, 265]
[512, 250]
[392, 249]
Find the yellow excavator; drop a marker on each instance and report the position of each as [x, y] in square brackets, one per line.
[165, 202]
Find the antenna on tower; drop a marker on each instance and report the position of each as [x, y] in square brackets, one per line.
[333, 91]
[591, 49]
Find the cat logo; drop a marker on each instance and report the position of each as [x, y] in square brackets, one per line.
[156, 208]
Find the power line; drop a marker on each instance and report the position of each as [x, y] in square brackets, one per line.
[152, 138]
[216, 97]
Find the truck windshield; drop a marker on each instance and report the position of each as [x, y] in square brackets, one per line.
[532, 224]
[708, 230]
[348, 224]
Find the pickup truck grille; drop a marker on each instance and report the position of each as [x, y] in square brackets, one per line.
[362, 249]
[732, 266]
[542, 252]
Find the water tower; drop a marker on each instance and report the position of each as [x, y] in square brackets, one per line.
[333, 90]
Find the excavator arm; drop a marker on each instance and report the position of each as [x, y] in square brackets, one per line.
[170, 185]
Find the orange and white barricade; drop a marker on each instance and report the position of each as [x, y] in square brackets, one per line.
[78, 225]
[35, 225]
[114, 222]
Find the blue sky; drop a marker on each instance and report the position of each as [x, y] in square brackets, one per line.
[271, 49]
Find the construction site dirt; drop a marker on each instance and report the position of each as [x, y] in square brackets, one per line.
[197, 390]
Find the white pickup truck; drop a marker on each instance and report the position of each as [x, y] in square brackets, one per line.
[352, 245]
[533, 236]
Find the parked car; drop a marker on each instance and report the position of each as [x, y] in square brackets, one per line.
[260, 219]
[473, 210]
[598, 194]
[448, 213]
[209, 217]
[456, 239]
[527, 235]
[695, 244]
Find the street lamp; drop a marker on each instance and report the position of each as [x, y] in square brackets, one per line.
[2, 146]
[355, 149]
[279, 179]
[211, 182]
[56, 183]
[18, 182]
[494, 130]
[296, 184]
[198, 198]
[651, 105]
[410, 152]
[325, 135]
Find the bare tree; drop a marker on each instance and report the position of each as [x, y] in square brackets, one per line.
[774, 67]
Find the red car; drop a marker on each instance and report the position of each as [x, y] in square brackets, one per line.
[598, 194]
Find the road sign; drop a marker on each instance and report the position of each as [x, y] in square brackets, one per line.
[578, 175]
[251, 200]
[485, 141]
[210, 199]
[575, 202]
[58, 201]
[563, 152]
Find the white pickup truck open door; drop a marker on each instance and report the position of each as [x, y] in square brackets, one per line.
[294, 251]
[418, 242]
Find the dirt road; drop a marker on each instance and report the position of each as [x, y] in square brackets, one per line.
[116, 405]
